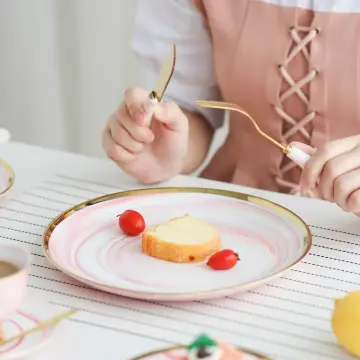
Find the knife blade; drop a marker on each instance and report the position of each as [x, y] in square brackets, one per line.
[162, 82]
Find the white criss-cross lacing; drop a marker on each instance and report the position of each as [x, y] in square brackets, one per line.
[295, 88]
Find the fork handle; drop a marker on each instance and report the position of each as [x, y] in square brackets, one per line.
[298, 156]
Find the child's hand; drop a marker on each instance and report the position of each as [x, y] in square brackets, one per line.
[149, 152]
[336, 168]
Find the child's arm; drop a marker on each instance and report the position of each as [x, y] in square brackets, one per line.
[158, 25]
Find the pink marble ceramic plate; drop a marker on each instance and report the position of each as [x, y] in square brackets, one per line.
[179, 353]
[7, 177]
[25, 319]
[86, 243]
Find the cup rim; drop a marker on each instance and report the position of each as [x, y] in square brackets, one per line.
[22, 268]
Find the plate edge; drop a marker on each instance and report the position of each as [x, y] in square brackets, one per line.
[307, 236]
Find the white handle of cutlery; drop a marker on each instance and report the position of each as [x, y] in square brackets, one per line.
[298, 156]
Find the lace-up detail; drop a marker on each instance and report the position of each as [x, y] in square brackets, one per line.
[295, 88]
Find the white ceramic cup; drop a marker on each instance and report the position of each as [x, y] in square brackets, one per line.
[4, 135]
[13, 287]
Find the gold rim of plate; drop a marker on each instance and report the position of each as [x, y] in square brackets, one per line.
[291, 216]
[161, 351]
[9, 170]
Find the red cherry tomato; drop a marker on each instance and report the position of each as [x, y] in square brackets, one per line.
[223, 260]
[131, 222]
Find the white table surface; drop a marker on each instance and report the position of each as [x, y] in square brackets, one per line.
[79, 340]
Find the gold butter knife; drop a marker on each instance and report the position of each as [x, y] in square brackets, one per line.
[42, 325]
[162, 83]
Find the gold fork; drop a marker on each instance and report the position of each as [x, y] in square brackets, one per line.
[293, 153]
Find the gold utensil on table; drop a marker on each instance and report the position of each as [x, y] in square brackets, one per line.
[162, 82]
[42, 325]
[292, 152]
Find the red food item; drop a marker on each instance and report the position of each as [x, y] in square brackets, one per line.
[223, 260]
[131, 222]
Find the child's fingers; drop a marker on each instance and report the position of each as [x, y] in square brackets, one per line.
[315, 165]
[344, 186]
[123, 138]
[137, 132]
[114, 151]
[172, 116]
[353, 202]
[334, 169]
[137, 101]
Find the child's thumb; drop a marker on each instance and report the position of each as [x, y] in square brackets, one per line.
[172, 116]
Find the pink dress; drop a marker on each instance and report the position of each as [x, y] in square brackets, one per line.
[295, 70]
[293, 64]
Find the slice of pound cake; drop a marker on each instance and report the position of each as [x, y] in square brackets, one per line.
[184, 240]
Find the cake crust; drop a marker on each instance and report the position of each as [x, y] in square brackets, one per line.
[180, 253]
[162, 249]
